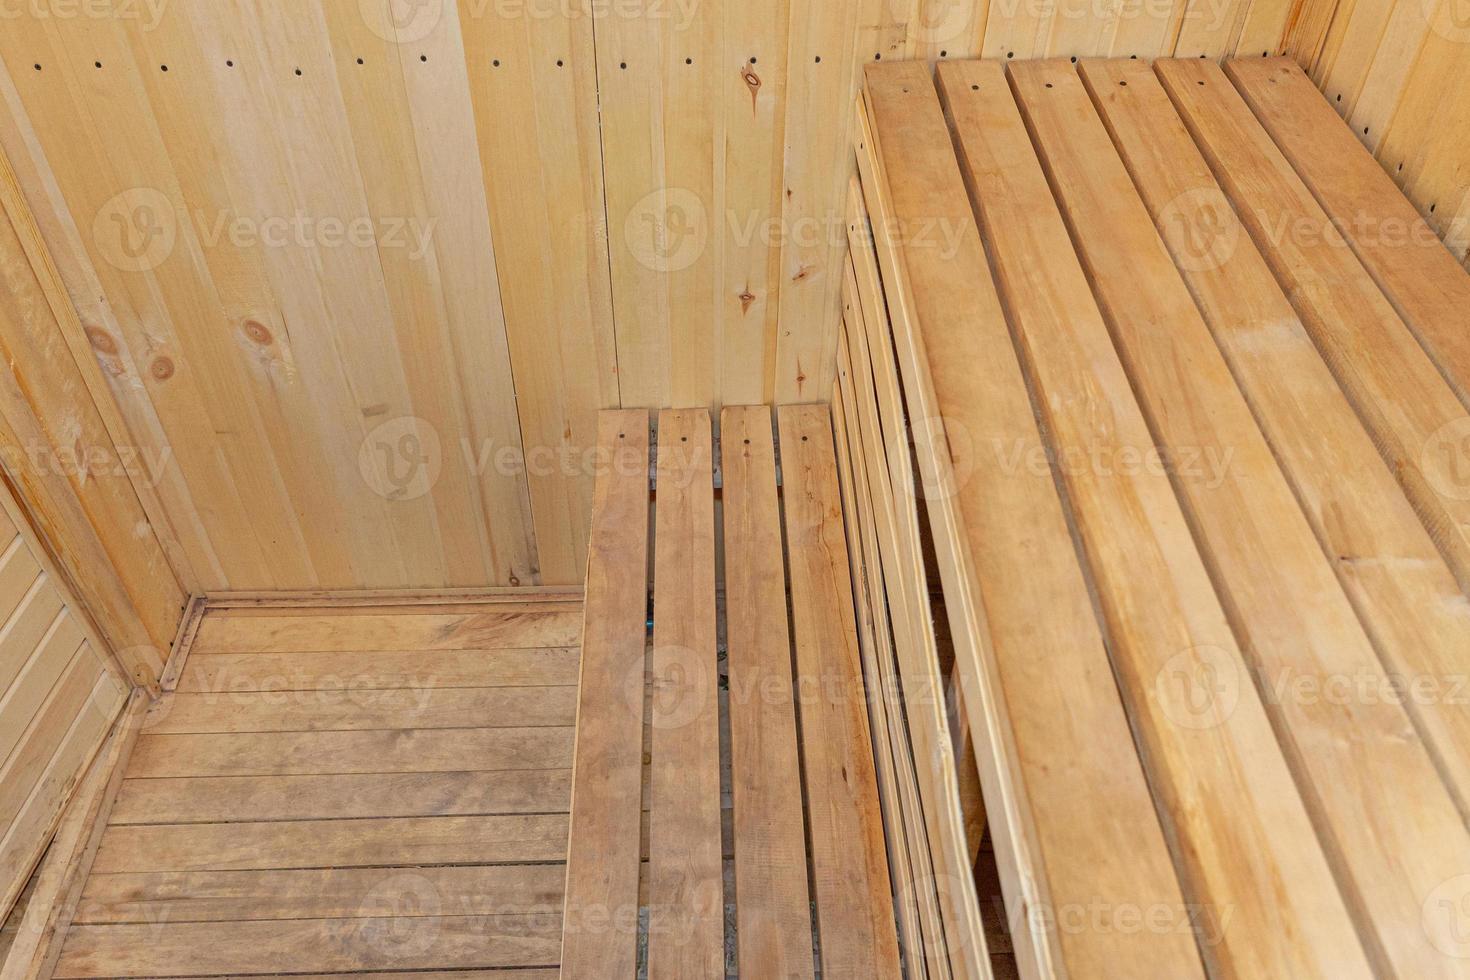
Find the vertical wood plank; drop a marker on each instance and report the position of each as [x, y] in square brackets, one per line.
[600, 932]
[773, 915]
[686, 891]
[545, 193]
[855, 919]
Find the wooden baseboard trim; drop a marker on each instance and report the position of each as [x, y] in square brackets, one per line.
[188, 629]
[388, 597]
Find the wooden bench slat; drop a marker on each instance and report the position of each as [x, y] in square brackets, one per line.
[1037, 647]
[1415, 419]
[854, 902]
[1400, 583]
[1368, 780]
[600, 937]
[1278, 913]
[686, 887]
[1418, 274]
[773, 913]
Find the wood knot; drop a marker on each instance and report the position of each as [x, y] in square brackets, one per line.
[258, 332]
[746, 298]
[751, 79]
[102, 341]
[162, 369]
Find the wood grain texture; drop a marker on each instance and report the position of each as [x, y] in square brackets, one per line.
[686, 882]
[1356, 762]
[1166, 624]
[1371, 351]
[774, 910]
[849, 861]
[601, 920]
[1418, 274]
[1402, 587]
[359, 287]
[1020, 577]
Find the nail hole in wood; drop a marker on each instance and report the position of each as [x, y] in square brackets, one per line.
[424, 58]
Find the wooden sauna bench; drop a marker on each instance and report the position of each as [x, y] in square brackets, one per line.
[647, 827]
[1210, 462]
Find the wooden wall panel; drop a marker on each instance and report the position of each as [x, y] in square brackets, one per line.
[1399, 72]
[58, 698]
[363, 272]
[87, 491]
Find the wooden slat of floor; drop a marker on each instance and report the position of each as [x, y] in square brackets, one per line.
[1390, 827]
[1287, 917]
[603, 864]
[773, 915]
[345, 825]
[686, 886]
[854, 902]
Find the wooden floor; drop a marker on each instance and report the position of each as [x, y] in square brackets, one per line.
[361, 789]
[1204, 377]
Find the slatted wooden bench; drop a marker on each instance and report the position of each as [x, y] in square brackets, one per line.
[647, 830]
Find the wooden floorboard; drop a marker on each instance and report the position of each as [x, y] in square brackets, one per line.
[331, 893]
[413, 794]
[686, 884]
[343, 811]
[773, 914]
[324, 711]
[601, 934]
[365, 631]
[382, 943]
[226, 673]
